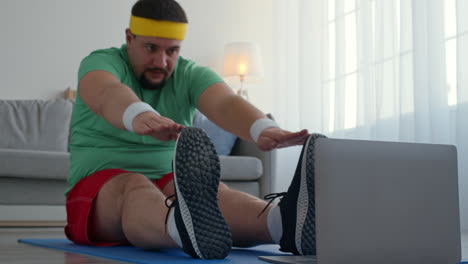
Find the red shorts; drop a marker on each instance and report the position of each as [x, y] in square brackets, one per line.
[80, 201]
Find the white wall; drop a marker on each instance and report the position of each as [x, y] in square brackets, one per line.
[213, 23]
[44, 41]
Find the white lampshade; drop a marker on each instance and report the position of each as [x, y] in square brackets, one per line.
[242, 59]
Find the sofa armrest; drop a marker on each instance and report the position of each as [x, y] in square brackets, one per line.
[268, 159]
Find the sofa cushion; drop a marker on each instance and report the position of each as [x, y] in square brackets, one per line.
[34, 164]
[222, 140]
[250, 187]
[35, 124]
[240, 168]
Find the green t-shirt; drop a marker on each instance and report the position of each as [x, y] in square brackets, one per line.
[97, 145]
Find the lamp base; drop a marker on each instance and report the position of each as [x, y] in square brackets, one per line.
[243, 93]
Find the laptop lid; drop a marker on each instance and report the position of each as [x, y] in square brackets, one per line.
[386, 203]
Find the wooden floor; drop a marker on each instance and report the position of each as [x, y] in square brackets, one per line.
[12, 252]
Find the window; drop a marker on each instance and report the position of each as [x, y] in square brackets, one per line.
[451, 49]
[384, 27]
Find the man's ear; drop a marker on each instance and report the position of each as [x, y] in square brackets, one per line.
[129, 36]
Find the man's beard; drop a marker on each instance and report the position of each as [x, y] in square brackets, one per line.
[147, 85]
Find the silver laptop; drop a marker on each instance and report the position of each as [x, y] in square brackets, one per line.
[386, 202]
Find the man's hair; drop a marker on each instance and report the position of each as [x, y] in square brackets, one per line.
[168, 10]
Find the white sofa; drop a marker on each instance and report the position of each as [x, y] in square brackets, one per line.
[34, 158]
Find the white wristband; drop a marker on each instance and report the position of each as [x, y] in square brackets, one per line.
[259, 125]
[132, 111]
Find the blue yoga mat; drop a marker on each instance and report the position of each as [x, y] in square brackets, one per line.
[176, 256]
[136, 255]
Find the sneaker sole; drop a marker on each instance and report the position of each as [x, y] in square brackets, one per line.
[196, 179]
[305, 220]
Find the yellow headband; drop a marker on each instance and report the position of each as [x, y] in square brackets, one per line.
[157, 28]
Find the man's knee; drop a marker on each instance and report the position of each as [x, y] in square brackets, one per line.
[124, 183]
[115, 190]
[223, 187]
[135, 181]
[107, 209]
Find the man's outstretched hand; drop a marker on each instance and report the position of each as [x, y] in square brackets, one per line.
[156, 126]
[273, 137]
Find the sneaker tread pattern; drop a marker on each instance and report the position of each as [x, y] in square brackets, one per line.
[197, 172]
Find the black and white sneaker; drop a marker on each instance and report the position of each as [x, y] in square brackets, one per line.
[297, 205]
[202, 228]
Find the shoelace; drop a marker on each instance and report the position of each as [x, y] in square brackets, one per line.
[271, 197]
[169, 206]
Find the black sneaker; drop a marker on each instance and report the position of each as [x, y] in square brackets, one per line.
[202, 228]
[297, 205]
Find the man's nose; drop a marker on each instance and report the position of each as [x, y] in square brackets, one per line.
[159, 60]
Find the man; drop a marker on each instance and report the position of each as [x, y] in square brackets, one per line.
[132, 104]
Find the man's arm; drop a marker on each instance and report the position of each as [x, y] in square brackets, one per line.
[106, 96]
[234, 114]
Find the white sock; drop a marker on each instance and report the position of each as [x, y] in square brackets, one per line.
[275, 225]
[172, 228]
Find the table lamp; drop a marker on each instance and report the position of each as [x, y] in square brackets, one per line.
[242, 60]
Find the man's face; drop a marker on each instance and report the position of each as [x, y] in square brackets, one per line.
[153, 59]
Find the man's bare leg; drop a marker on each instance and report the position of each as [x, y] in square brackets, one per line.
[130, 208]
[240, 211]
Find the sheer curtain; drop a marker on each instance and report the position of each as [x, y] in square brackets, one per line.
[392, 70]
